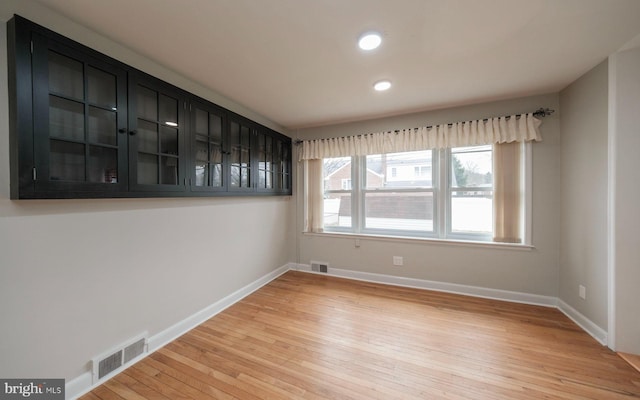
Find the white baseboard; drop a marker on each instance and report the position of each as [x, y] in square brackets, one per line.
[83, 383]
[583, 322]
[475, 291]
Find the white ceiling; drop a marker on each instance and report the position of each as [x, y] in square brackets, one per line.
[296, 62]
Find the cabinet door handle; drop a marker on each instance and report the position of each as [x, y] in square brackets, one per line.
[133, 132]
[122, 130]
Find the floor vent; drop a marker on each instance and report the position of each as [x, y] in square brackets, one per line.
[318, 266]
[117, 359]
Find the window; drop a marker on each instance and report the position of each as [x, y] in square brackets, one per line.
[446, 194]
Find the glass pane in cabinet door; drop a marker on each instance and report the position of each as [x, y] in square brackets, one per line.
[245, 179]
[262, 155]
[147, 136]
[269, 180]
[269, 150]
[66, 119]
[215, 154]
[202, 174]
[168, 140]
[147, 169]
[66, 76]
[168, 111]
[244, 157]
[103, 165]
[168, 170]
[66, 161]
[216, 175]
[262, 179]
[215, 128]
[235, 176]
[202, 127]
[147, 103]
[235, 156]
[234, 134]
[102, 126]
[101, 88]
[202, 150]
[245, 134]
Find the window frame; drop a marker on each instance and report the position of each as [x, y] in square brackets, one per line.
[442, 188]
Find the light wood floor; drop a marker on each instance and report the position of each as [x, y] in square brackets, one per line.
[309, 336]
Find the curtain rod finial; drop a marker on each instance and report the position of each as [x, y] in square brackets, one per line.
[543, 112]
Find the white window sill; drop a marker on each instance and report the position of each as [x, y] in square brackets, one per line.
[430, 241]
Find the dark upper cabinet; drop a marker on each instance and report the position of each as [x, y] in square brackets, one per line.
[85, 125]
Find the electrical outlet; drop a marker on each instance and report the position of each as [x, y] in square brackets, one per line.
[398, 261]
[582, 292]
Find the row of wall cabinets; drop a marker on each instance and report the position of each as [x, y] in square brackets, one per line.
[85, 125]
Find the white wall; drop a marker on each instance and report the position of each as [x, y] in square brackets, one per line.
[624, 164]
[583, 162]
[534, 271]
[78, 277]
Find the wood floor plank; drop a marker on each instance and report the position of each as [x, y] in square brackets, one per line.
[316, 337]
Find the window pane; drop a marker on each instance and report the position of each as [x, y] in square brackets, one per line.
[471, 167]
[400, 170]
[335, 171]
[337, 210]
[472, 212]
[399, 211]
[337, 206]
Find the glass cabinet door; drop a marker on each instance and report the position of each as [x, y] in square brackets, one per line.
[284, 167]
[208, 148]
[241, 134]
[274, 162]
[80, 114]
[157, 128]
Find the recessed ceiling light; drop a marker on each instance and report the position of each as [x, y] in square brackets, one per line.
[370, 41]
[382, 85]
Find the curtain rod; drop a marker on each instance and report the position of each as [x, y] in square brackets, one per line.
[540, 112]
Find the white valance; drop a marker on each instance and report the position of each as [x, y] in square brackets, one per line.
[469, 133]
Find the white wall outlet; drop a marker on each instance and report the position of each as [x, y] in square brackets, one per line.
[582, 292]
[398, 261]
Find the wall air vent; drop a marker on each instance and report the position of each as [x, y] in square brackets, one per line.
[109, 364]
[319, 266]
[117, 359]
